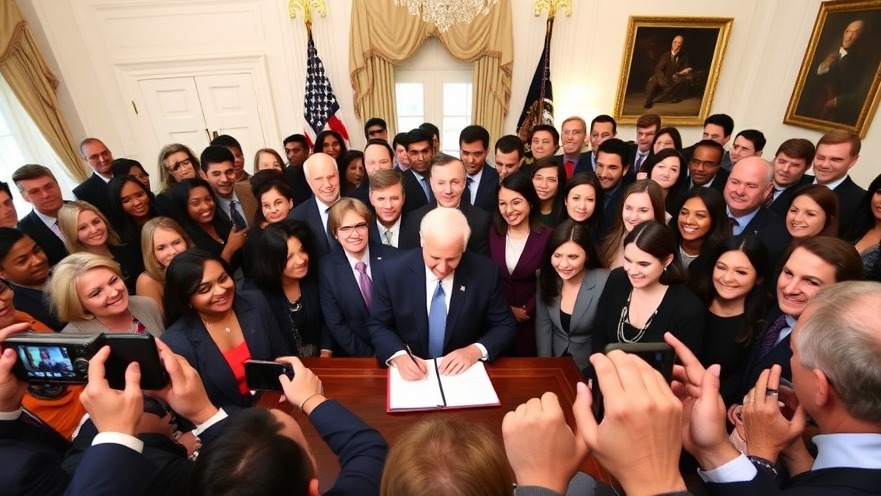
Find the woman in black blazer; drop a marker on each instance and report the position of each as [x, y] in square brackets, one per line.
[570, 284]
[284, 271]
[215, 327]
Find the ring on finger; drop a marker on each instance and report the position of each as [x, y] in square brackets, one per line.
[771, 392]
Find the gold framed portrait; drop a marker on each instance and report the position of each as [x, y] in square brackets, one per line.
[671, 66]
[837, 86]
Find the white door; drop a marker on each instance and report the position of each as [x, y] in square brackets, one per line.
[193, 110]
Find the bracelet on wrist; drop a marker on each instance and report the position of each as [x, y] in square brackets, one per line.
[307, 399]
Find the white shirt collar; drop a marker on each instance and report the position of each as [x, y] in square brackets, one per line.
[848, 450]
[833, 184]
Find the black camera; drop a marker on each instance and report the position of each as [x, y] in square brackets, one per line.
[54, 357]
[64, 358]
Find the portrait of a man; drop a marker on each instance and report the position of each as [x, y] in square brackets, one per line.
[671, 66]
[835, 86]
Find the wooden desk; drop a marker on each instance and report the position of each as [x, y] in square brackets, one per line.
[360, 385]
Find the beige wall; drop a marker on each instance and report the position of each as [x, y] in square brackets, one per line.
[91, 43]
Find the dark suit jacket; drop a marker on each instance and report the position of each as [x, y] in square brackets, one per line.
[781, 205]
[487, 196]
[362, 192]
[720, 180]
[95, 191]
[308, 213]
[414, 195]
[583, 164]
[610, 209]
[478, 221]
[823, 482]
[297, 181]
[30, 459]
[849, 196]
[43, 236]
[519, 286]
[344, 309]
[478, 311]
[111, 469]
[550, 337]
[779, 354]
[31, 301]
[770, 228]
[189, 338]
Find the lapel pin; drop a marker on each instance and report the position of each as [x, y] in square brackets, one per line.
[461, 288]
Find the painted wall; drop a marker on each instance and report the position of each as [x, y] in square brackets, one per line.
[92, 43]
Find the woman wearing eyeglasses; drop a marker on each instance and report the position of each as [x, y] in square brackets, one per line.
[348, 276]
[176, 163]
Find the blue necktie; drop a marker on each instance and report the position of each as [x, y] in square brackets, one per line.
[437, 322]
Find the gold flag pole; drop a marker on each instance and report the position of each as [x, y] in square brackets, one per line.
[553, 6]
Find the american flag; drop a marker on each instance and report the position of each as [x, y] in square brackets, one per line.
[321, 109]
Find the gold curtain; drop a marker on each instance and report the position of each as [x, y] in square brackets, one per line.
[34, 85]
[384, 34]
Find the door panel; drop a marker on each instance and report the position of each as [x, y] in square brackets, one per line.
[175, 111]
[229, 103]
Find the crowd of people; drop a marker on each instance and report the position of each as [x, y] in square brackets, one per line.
[746, 266]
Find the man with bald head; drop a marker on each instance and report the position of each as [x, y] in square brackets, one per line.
[839, 83]
[745, 192]
[94, 189]
[323, 179]
[440, 301]
[448, 178]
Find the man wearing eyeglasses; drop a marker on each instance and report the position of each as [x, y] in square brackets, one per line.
[94, 189]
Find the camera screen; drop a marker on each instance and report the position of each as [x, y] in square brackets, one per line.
[46, 362]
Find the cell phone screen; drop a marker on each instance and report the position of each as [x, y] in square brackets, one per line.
[263, 375]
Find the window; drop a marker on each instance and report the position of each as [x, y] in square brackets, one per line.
[434, 87]
[22, 143]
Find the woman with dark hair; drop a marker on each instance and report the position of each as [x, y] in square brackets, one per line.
[276, 202]
[570, 284]
[215, 328]
[646, 297]
[516, 243]
[813, 211]
[548, 178]
[640, 202]
[667, 137]
[701, 221]
[668, 169]
[281, 271]
[348, 275]
[351, 172]
[331, 143]
[131, 206]
[129, 167]
[197, 214]
[865, 232]
[737, 297]
[580, 199]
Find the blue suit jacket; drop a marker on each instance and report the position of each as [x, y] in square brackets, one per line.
[478, 221]
[308, 213]
[414, 195]
[343, 306]
[189, 338]
[43, 236]
[478, 311]
[779, 355]
[30, 459]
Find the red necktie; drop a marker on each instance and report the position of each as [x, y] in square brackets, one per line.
[570, 169]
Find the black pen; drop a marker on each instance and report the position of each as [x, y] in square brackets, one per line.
[410, 354]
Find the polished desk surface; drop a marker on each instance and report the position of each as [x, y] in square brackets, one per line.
[360, 385]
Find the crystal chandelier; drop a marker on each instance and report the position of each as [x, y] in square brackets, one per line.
[445, 13]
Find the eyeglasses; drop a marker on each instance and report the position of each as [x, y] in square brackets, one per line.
[183, 163]
[703, 163]
[347, 231]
